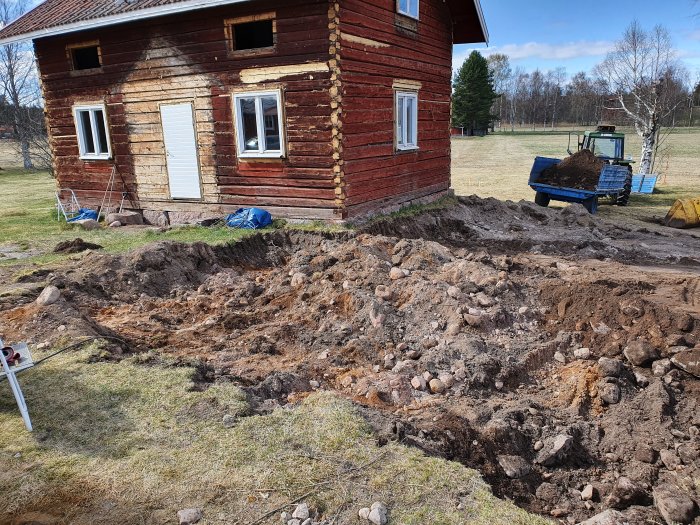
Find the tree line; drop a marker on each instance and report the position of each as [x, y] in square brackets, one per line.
[640, 83]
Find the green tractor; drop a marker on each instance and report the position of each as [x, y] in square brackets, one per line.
[609, 146]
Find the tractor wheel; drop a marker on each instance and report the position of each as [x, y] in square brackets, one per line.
[624, 197]
[542, 199]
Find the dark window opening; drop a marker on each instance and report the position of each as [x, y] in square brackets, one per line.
[253, 35]
[86, 58]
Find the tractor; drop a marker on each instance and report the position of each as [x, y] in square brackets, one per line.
[609, 146]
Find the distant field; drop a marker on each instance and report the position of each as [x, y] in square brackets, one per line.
[9, 155]
[498, 165]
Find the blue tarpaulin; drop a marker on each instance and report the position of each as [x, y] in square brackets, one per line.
[249, 219]
[83, 214]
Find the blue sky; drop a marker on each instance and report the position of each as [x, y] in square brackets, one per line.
[546, 34]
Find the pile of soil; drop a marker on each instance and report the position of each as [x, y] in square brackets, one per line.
[75, 246]
[483, 297]
[580, 170]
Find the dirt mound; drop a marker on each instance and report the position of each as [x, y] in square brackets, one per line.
[580, 170]
[75, 246]
[466, 338]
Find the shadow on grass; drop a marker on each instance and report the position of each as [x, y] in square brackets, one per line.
[73, 416]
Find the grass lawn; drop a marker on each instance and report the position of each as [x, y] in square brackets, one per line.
[499, 165]
[133, 442]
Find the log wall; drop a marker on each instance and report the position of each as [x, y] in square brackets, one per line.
[379, 48]
[185, 58]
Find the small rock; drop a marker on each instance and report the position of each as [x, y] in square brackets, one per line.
[383, 292]
[427, 376]
[610, 367]
[364, 513]
[669, 459]
[437, 386]
[626, 493]
[499, 385]
[661, 367]
[298, 279]
[559, 357]
[641, 353]
[472, 320]
[610, 393]
[609, 517]
[126, 217]
[285, 517]
[688, 361]
[538, 446]
[229, 421]
[88, 224]
[673, 505]
[307, 521]
[645, 454]
[588, 493]
[115, 224]
[454, 292]
[301, 512]
[189, 516]
[484, 300]
[48, 296]
[515, 467]
[314, 384]
[641, 380]
[429, 343]
[582, 353]
[523, 310]
[447, 379]
[378, 514]
[413, 354]
[396, 273]
[558, 449]
[419, 383]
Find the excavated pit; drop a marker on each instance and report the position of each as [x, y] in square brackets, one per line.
[497, 300]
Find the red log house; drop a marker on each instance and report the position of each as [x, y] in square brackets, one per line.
[311, 109]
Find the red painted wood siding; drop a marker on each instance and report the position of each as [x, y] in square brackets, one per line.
[376, 175]
[188, 52]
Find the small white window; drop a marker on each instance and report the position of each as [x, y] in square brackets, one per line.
[409, 8]
[93, 132]
[259, 127]
[406, 120]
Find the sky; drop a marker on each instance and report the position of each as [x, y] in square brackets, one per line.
[546, 34]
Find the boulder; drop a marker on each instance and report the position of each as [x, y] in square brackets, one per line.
[626, 493]
[301, 512]
[515, 467]
[673, 505]
[156, 218]
[48, 296]
[189, 516]
[641, 353]
[125, 218]
[610, 367]
[609, 517]
[688, 361]
[555, 450]
[88, 224]
[610, 393]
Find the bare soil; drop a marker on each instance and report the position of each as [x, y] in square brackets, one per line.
[580, 170]
[493, 298]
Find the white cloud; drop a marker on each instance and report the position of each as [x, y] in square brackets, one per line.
[582, 48]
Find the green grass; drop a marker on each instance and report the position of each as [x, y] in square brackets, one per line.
[29, 223]
[128, 443]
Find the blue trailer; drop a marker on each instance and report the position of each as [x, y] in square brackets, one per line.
[614, 182]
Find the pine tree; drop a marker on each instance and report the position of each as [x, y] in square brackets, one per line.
[473, 95]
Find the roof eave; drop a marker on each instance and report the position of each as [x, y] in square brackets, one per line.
[139, 14]
[482, 21]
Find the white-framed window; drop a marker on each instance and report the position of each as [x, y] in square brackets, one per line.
[406, 120]
[93, 132]
[409, 8]
[259, 124]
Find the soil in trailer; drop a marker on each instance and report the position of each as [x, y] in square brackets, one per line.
[581, 171]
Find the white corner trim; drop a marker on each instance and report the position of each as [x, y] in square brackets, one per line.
[139, 14]
[482, 20]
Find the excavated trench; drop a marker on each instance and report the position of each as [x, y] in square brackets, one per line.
[555, 364]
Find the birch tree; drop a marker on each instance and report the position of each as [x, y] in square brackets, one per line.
[19, 85]
[637, 73]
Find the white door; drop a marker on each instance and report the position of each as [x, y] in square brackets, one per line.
[181, 151]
